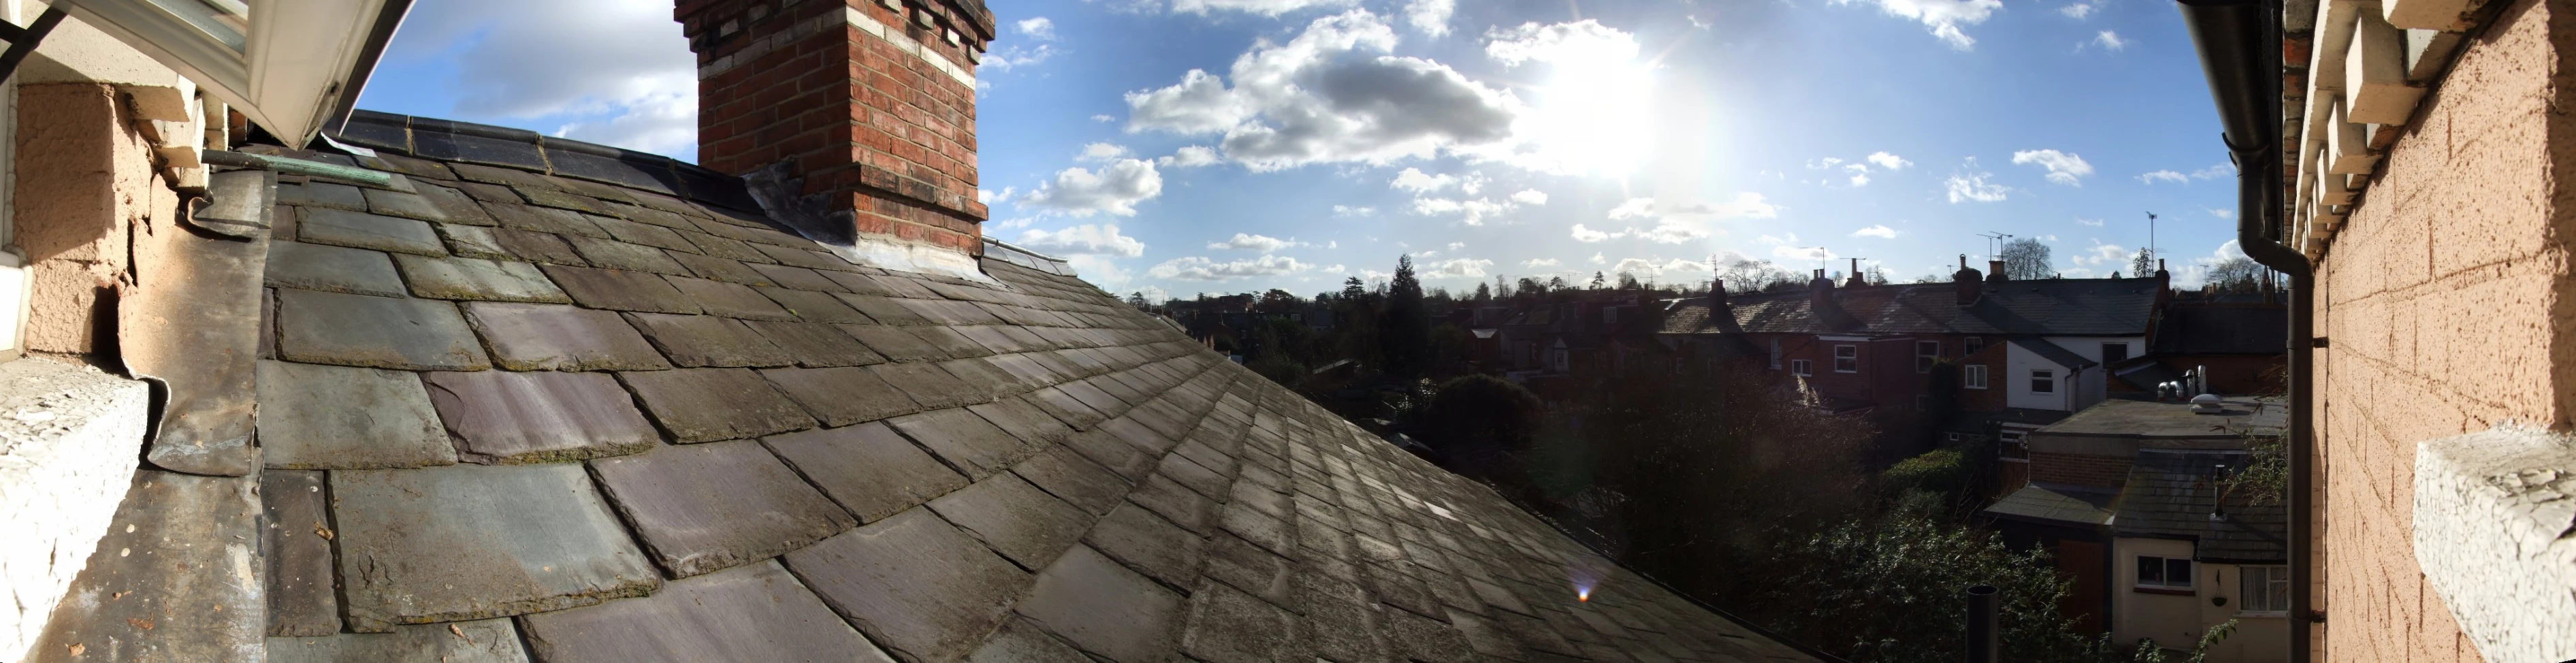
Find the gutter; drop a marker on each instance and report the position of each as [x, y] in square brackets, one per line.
[2239, 42]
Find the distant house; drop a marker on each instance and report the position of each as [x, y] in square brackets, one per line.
[2242, 344]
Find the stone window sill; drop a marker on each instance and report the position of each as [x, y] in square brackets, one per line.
[2493, 514]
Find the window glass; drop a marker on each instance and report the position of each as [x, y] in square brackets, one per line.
[1775, 354]
[1799, 367]
[1975, 376]
[1926, 352]
[2264, 589]
[2151, 570]
[2115, 352]
[1974, 344]
[2043, 381]
[2164, 572]
[1846, 359]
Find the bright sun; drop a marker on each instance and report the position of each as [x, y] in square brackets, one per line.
[1594, 114]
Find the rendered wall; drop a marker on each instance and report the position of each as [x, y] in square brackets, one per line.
[2442, 299]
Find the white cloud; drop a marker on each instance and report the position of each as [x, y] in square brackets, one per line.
[1824, 163]
[1456, 268]
[1250, 242]
[1859, 174]
[2080, 10]
[1038, 28]
[2102, 254]
[1632, 208]
[2215, 171]
[1597, 259]
[1942, 17]
[1333, 94]
[1580, 41]
[1453, 246]
[1637, 267]
[994, 198]
[2222, 213]
[1879, 231]
[2110, 40]
[1414, 180]
[1802, 253]
[1539, 262]
[625, 79]
[2063, 167]
[1471, 212]
[1530, 197]
[1189, 156]
[1103, 118]
[1262, 7]
[1431, 17]
[1745, 204]
[1889, 161]
[1099, 152]
[1115, 189]
[1196, 268]
[1670, 232]
[1009, 57]
[1589, 236]
[1085, 239]
[2164, 176]
[2097, 223]
[1346, 210]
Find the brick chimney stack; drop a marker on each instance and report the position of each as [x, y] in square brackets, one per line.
[865, 107]
[1855, 281]
[1994, 270]
[1968, 282]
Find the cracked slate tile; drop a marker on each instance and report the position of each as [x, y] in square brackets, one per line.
[755, 612]
[815, 306]
[475, 542]
[843, 395]
[1136, 537]
[478, 279]
[620, 290]
[511, 417]
[732, 300]
[706, 507]
[473, 242]
[338, 418]
[538, 247]
[1025, 524]
[868, 469]
[331, 268]
[554, 337]
[406, 205]
[368, 231]
[816, 345]
[706, 340]
[303, 598]
[709, 404]
[966, 441]
[917, 587]
[614, 254]
[1104, 608]
[382, 332]
[481, 641]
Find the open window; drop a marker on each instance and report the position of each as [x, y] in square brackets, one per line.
[293, 66]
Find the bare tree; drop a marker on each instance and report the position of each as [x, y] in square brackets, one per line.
[2026, 259]
[2238, 274]
[2143, 264]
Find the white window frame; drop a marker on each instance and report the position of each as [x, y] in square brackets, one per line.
[1973, 376]
[300, 64]
[2124, 352]
[2263, 591]
[1972, 346]
[2164, 573]
[2037, 375]
[1923, 361]
[1802, 368]
[1840, 356]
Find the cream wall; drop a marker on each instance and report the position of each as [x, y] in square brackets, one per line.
[2177, 622]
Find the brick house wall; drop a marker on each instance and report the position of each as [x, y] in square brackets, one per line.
[1991, 398]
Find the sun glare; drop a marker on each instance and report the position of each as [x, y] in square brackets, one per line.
[1595, 112]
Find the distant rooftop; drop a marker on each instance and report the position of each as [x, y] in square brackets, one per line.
[2150, 420]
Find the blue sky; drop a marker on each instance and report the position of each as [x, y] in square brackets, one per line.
[1322, 139]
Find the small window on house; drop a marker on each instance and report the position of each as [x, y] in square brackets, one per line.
[1800, 367]
[2113, 353]
[2043, 381]
[2168, 573]
[1775, 354]
[1926, 352]
[1846, 359]
[1974, 344]
[1973, 376]
[2264, 589]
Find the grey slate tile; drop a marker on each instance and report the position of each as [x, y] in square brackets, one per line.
[337, 417]
[966, 441]
[474, 542]
[708, 404]
[1175, 503]
[613, 254]
[1016, 519]
[1118, 456]
[949, 342]
[457, 205]
[1064, 473]
[383, 332]
[1020, 642]
[798, 278]
[916, 586]
[648, 235]
[177, 541]
[481, 641]
[895, 343]
[511, 417]
[1229, 626]
[331, 268]
[368, 231]
[303, 599]
[930, 385]
[474, 242]
[406, 205]
[321, 194]
[884, 310]
[478, 279]
[620, 290]
[815, 306]
[544, 220]
[1105, 609]
[706, 340]
[1136, 537]
[705, 507]
[1065, 408]
[538, 247]
[554, 337]
[868, 469]
[755, 612]
[816, 345]
[803, 257]
[721, 269]
[733, 300]
[1424, 639]
[843, 395]
[1247, 567]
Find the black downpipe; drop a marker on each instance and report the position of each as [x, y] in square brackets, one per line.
[2240, 52]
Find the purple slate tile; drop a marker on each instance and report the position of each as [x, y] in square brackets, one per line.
[708, 404]
[510, 417]
[841, 396]
[706, 340]
[755, 612]
[554, 337]
[869, 469]
[705, 507]
[382, 332]
[916, 586]
[1016, 519]
[966, 441]
[1104, 608]
[620, 290]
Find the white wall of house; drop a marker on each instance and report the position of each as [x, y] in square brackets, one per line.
[2090, 347]
[2018, 364]
[2177, 622]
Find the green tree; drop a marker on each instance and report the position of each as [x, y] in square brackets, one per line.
[2143, 264]
[1481, 422]
[1404, 333]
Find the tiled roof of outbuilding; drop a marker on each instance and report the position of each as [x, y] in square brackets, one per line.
[617, 424]
[2172, 493]
[2055, 307]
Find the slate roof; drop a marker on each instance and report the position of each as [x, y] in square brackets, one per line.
[2053, 352]
[2054, 307]
[2195, 329]
[2056, 505]
[513, 414]
[2170, 494]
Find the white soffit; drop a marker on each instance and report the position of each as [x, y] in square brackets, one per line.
[290, 65]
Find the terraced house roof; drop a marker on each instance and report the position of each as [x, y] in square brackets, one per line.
[2067, 307]
[512, 415]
